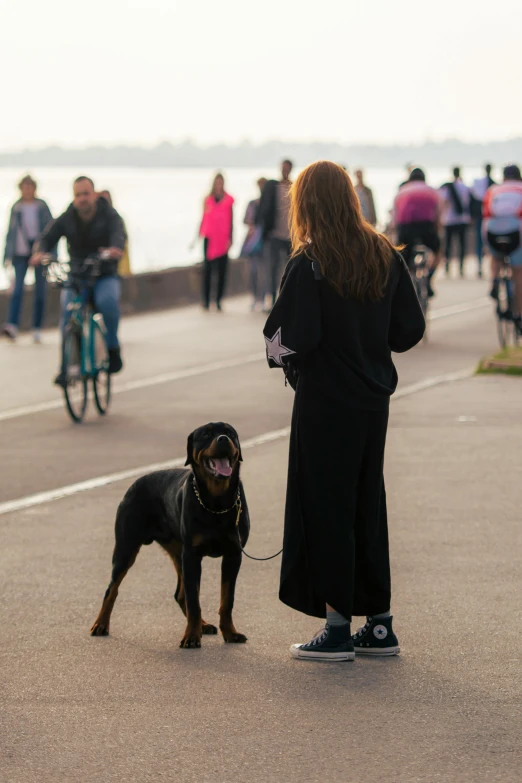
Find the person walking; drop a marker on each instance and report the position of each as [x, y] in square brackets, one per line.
[346, 302]
[455, 217]
[273, 219]
[365, 196]
[253, 249]
[478, 192]
[29, 216]
[216, 229]
[124, 265]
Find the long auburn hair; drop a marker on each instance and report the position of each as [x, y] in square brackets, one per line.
[326, 224]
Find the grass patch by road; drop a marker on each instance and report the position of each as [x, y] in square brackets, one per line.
[506, 362]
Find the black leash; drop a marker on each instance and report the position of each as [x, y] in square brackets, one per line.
[258, 558]
[239, 507]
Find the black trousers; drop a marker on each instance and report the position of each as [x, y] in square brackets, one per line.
[336, 530]
[218, 266]
[458, 232]
[279, 252]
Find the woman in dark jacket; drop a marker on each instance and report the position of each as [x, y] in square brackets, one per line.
[29, 216]
[346, 302]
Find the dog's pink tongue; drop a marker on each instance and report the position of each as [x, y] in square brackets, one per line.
[223, 467]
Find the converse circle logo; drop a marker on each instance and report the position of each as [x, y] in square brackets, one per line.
[380, 631]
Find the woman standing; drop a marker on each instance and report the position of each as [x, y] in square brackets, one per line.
[29, 216]
[346, 302]
[216, 229]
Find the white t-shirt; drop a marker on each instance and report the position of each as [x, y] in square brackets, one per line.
[479, 187]
[450, 216]
[30, 216]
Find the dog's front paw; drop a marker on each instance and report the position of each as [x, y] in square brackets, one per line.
[233, 637]
[99, 629]
[190, 640]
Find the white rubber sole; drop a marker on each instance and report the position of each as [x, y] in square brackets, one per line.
[387, 651]
[297, 652]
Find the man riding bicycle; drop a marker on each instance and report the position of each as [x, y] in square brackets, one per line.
[416, 212]
[502, 230]
[91, 226]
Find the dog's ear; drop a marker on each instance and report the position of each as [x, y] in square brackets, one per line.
[190, 449]
[237, 443]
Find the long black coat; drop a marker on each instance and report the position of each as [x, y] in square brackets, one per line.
[336, 352]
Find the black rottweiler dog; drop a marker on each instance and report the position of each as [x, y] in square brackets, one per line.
[192, 513]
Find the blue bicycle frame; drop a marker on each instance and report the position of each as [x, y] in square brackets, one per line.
[83, 318]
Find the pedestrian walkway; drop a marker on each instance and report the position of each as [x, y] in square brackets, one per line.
[134, 707]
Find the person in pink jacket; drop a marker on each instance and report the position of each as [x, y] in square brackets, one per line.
[216, 231]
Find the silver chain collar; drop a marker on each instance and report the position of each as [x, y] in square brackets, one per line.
[237, 505]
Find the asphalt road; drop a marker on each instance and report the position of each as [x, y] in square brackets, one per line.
[133, 706]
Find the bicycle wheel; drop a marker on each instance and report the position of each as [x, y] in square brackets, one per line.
[421, 284]
[513, 330]
[75, 390]
[502, 331]
[504, 321]
[101, 379]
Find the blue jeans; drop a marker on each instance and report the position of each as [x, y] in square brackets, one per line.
[257, 277]
[107, 291]
[278, 251]
[21, 265]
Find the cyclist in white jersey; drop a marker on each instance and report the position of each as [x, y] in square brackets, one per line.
[502, 230]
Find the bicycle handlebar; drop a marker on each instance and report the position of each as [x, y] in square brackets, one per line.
[60, 273]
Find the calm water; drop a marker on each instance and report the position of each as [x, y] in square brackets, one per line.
[162, 207]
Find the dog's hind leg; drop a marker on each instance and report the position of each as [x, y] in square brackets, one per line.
[128, 543]
[174, 550]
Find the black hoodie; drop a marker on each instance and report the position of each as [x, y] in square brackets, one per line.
[339, 346]
[106, 229]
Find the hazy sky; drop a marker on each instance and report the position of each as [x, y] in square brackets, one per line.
[136, 71]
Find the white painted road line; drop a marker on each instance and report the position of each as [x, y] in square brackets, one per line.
[191, 372]
[436, 380]
[27, 410]
[111, 478]
[464, 307]
[142, 383]
[267, 437]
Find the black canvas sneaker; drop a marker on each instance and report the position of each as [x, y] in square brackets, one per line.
[333, 643]
[376, 638]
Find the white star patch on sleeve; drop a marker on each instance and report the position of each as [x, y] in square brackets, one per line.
[275, 349]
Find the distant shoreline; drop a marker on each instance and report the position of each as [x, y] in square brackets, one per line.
[188, 155]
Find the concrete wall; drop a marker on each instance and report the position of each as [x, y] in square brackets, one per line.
[141, 293]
